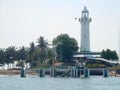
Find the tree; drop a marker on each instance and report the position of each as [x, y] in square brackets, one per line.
[51, 56]
[2, 56]
[42, 44]
[20, 64]
[110, 55]
[10, 53]
[30, 52]
[65, 47]
[32, 47]
[35, 57]
[22, 53]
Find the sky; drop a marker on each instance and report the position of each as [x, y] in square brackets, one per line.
[24, 21]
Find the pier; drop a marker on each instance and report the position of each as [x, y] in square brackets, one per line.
[70, 72]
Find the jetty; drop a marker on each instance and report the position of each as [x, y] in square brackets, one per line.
[52, 72]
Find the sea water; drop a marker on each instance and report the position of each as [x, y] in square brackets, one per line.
[51, 83]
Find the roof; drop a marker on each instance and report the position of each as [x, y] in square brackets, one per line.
[87, 53]
[85, 10]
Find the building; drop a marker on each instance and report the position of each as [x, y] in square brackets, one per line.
[85, 36]
[85, 53]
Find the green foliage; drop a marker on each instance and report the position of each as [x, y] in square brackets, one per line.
[50, 62]
[20, 64]
[32, 48]
[35, 57]
[41, 65]
[10, 54]
[2, 56]
[43, 48]
[50, 53]
[41, 55]
[95, 65]
[22, 53]
[65, 47]
[110, 55]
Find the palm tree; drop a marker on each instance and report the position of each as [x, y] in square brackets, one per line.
[22, 54]
[2, 57]
[30, 52]
[32, 47]
[42, 44]
[10, 53]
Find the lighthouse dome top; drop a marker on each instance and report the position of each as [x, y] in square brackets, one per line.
[85, 10]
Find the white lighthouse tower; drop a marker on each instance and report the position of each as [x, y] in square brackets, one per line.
[85, 35]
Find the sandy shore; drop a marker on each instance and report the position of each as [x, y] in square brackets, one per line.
[30, 72]
[16, 72]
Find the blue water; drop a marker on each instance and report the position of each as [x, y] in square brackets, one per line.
[48, 83]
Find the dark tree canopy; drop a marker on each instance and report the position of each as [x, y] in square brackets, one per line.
[65, 47]
[22, 53]
[40, 54]
[42, 44]
[2, 57]
[110, 55]
[32, 47]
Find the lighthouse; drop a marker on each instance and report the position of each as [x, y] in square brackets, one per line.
[85, 51]
[85, 32]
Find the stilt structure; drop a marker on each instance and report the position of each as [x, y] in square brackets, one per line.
[86, 72]
[74, 73]
[53, 72]
[105, 73]
[23, 72]
[41, 73]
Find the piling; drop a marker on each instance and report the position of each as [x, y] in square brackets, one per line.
[86, 72]
[80, 72]
[74, 73]
[105, 73]
[53, 72]
[23, 72]
[41, 73]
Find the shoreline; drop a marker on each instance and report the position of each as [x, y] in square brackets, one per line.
[35, 72]
[16, 72]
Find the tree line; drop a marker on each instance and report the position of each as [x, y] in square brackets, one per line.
[109, 54]
[62, 50]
